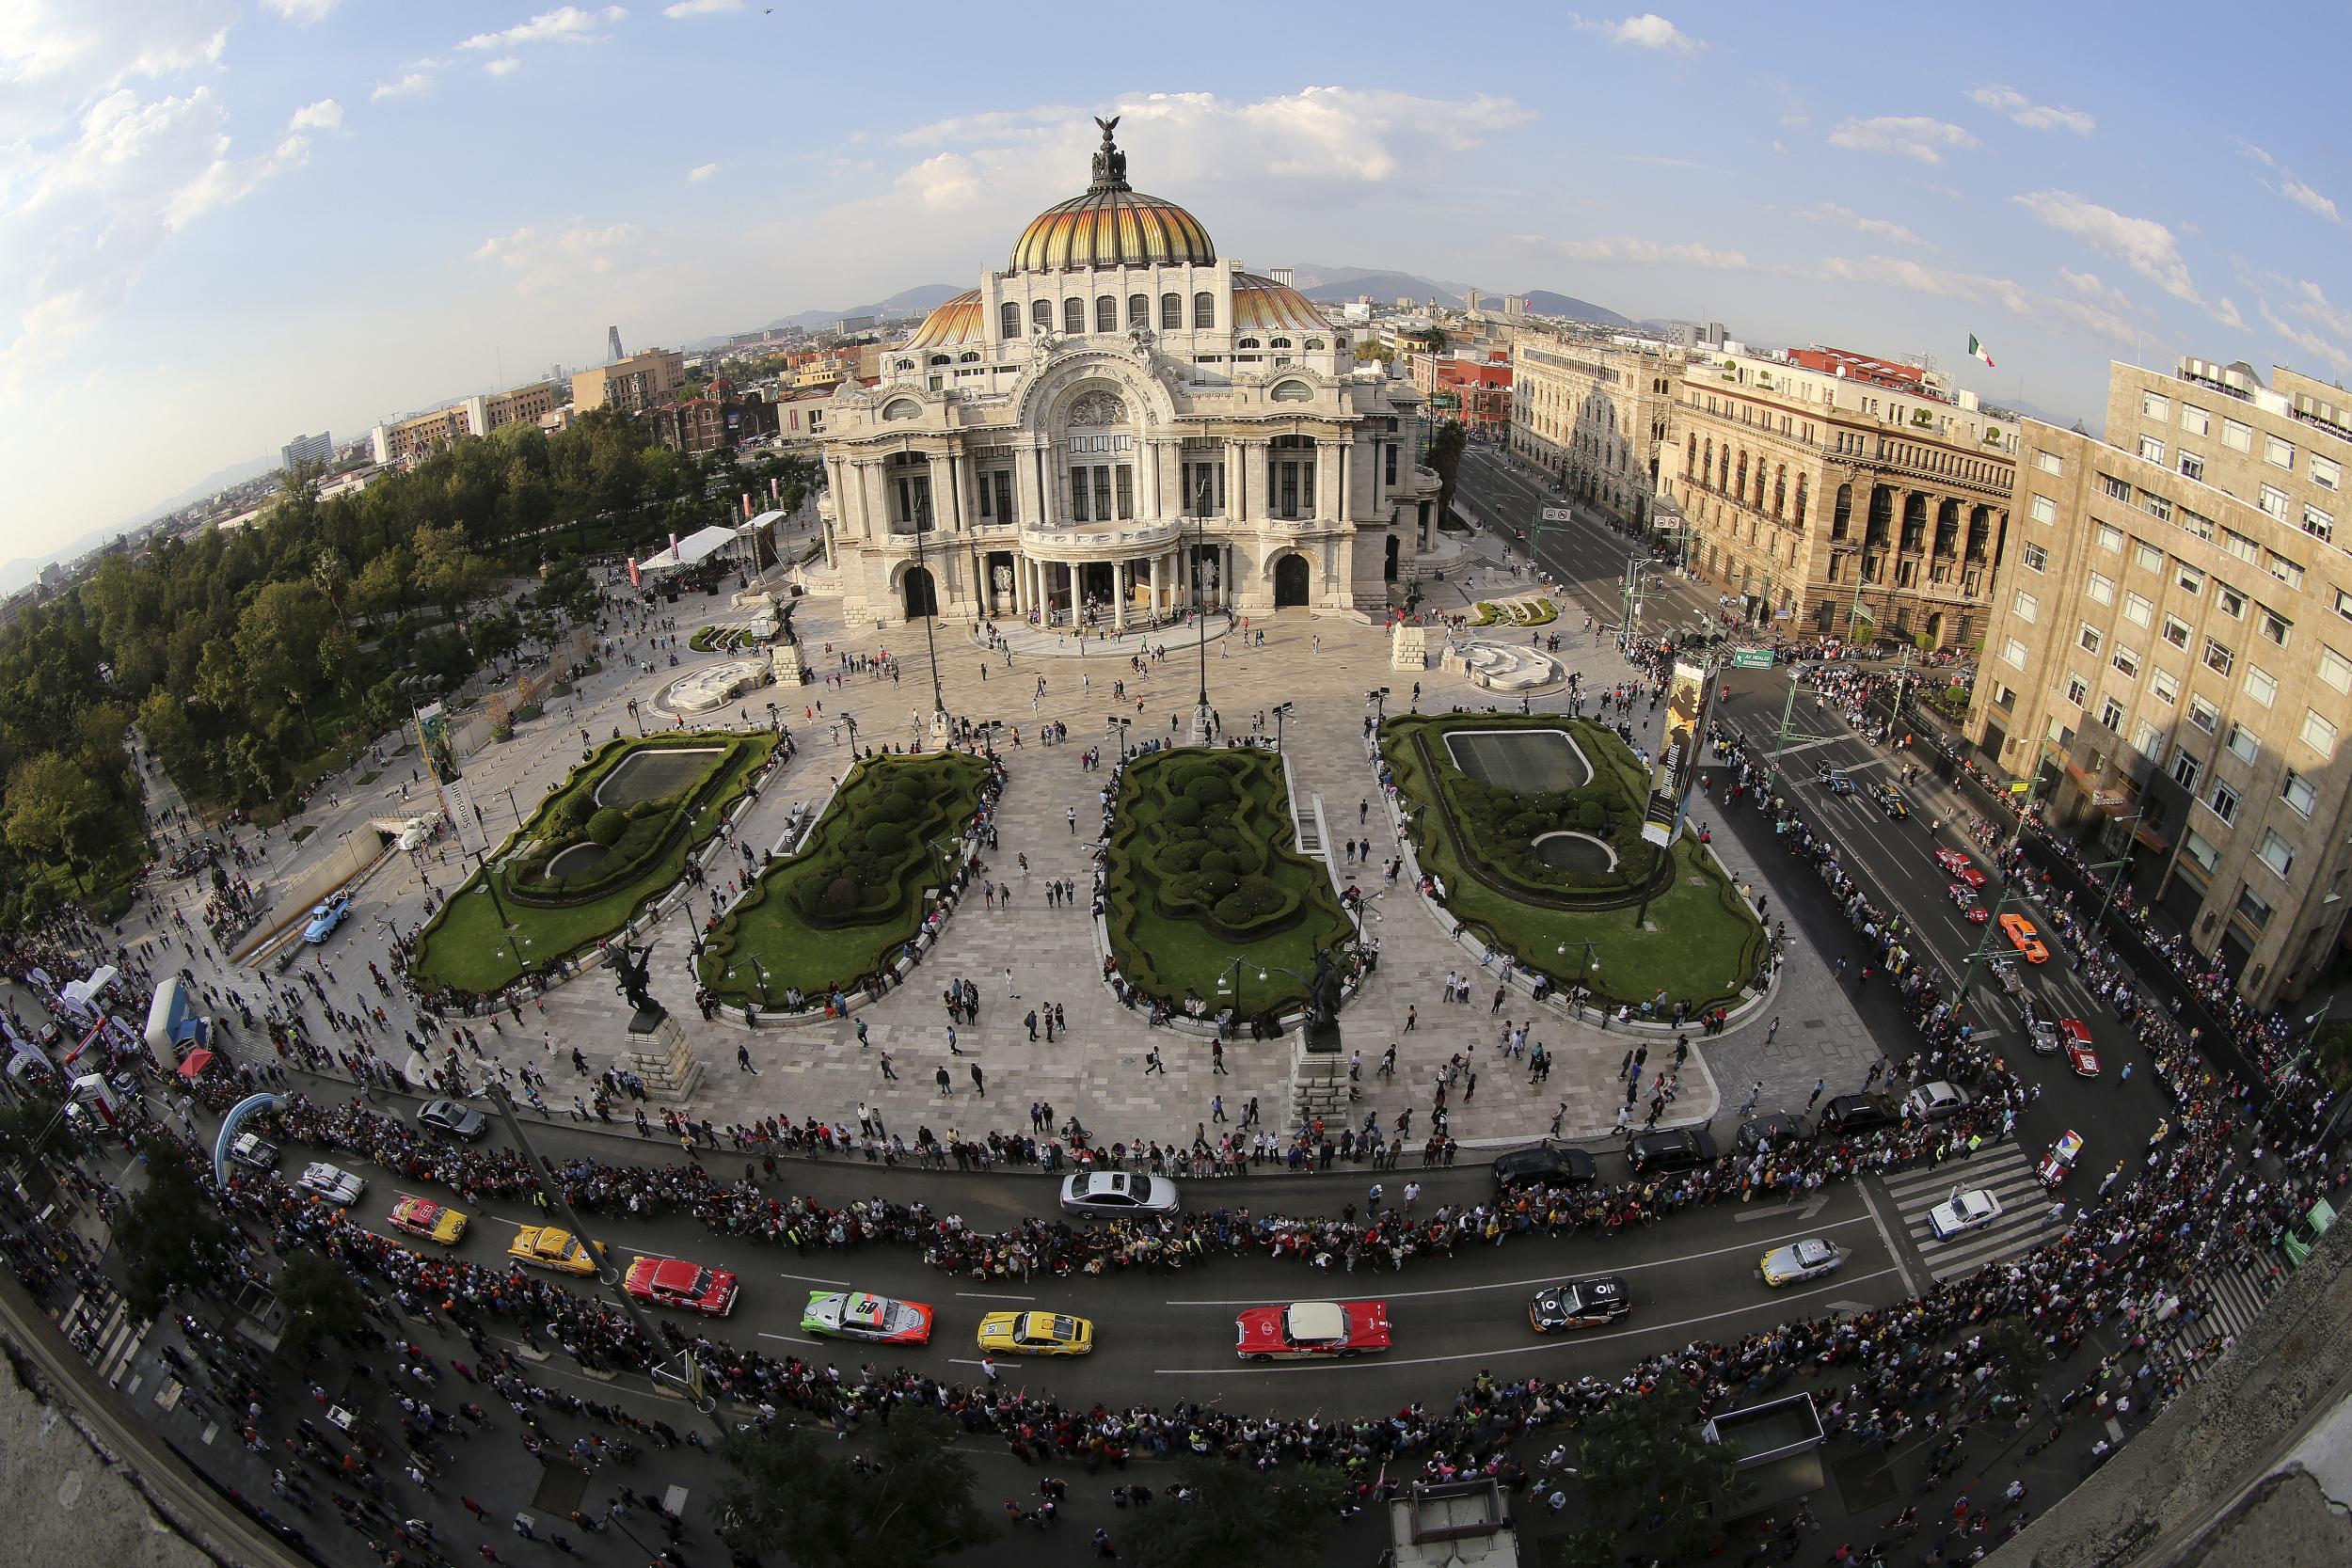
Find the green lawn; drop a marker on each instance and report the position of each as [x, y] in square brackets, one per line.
[767, 930]
[1701, 944]
[1171, 951]
[463, 948]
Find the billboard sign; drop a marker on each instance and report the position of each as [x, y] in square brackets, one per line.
[1677, 753]
[1752, 659]
[433, 744]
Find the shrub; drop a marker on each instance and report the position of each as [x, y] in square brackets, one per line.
[1590, 815]
[1210, 789]
[1219, 862]
[607, 826]
[838, 900]
[1253, 900]
[1182, 811]
[886, 839]
[1182, 856]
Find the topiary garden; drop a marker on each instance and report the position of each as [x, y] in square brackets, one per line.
[1202, 872]
[841, 905]
[1700, 943]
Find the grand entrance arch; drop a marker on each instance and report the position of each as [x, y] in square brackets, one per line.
[1290, 581]
[921, 594]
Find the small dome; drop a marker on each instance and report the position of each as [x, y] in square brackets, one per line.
[954, 321]
[1112, 226]
[1261, 305]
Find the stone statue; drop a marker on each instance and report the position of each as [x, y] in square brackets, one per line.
[1323, 990]
[1002, 578]
[1110, 165]
[632, 963]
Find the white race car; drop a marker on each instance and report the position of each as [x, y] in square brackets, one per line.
[1963, 1212]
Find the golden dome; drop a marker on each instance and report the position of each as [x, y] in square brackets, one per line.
[954, 321]
[1261, 305]
[1112, 226]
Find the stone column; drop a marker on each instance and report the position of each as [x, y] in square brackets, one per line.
[1237, 479]
[1026, 488]
[1118, 595]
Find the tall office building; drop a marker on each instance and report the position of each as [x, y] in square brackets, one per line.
[307, 449]
[2171, 657]
[631, 384]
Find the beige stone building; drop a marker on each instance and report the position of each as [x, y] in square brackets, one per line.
[1831, 500]
[1594, 412]
[1118, 424]
[632, 385]
[2172, 656]
[406, 440]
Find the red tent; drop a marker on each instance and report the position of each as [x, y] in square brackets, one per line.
[192, 1066]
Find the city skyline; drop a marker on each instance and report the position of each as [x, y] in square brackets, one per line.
[261, 220]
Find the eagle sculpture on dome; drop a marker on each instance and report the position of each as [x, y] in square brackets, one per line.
[1110, 165]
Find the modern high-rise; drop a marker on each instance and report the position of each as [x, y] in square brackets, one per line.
[1592, 412]
[2171, 660]
[630, 384]
[1846, 501]
[307, 449]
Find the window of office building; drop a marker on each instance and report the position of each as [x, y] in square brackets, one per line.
[2164, 687]
[2198, 848]
[2041, 508]
[2261, 686]
[2148, 740]
[2255, 907]
[2277, 454]
[2037, 558]
[2223, 801]
[2237, 437]
[2049, 462]
[2242, 743]
[2318, 733]
[2299, 794]
[2028, 607]
[2194, 420]
[2099, 588]
[2276, 852]
[2139, 609]
[2203, 714]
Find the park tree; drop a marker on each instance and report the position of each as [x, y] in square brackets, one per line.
[169, 1235]
[2019, 1354]
[278, 635]
[794, 1489]
[322, 1304]
[449, 572]
[384, 584]
[1238, 1518]
[1646, 1457]
[1445, 456]
[56, 812]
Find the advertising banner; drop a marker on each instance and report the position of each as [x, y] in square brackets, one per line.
[1677, 753]
[449, 784]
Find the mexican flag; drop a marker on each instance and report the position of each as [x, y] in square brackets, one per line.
[1977, 349]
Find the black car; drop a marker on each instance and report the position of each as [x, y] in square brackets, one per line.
[1890, 800]
[451, 1119]
[1549, 1163]
[1671, 1149]
[1578, 1304]
[1859, 1113]
[1776, 1128]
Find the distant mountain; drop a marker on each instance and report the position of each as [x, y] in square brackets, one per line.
[916, 301]
[1543, 302]
[1344, 283]
[24, 569]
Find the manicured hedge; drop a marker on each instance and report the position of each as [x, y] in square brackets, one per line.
[637, 835]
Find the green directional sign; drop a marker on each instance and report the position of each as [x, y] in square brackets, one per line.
[1752, 659]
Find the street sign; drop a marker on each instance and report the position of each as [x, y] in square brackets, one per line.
[1557, 514]
[1752, 659]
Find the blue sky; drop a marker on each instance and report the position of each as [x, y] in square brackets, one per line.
[221, 224]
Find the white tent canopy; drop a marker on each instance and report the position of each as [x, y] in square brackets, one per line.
[696, 546]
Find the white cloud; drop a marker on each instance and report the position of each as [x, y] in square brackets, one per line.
[1878, 228]
[685, 9]
[2142, 245]
[57, 56]
[407, 87]
[502, 66]
[301, 12]
[2309, 199]
[1897, 272]
[1627, 248]
[565, 24]
[541, 263]
[324, 115]
[2227, 314]
[1918, 138]
[86, 218]
[2090, 285]
[2033, 116]
[2309, 301]
[701, 172]
[1646, 31]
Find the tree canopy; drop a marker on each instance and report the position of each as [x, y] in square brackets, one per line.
[1237, 1517]
[909, 1504]
[169, 1235]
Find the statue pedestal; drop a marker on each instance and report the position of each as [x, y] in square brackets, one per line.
[1318, 1080]
[658, 1052]
[1409, 647]
[1204, 725]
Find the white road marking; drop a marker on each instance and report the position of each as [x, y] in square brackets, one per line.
[813, 1279]
[793, 1337]
[1887, 1237]
[1767, 1242]
[1550, 1343]
[983, 1295]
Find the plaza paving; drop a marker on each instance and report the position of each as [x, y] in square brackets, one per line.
[1097, 1068]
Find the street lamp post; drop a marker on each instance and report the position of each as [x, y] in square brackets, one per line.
[509, 793]
[774, 721]
[922, 563]
[1279, 710]
[638, 716]
[1203, 716]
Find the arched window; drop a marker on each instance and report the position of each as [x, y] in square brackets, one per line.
[1780, 491]
[1740, 486]
[1707, 466]
[1106, 314]
[1691, 458]
[1203, 313]
[1171, 313]
[1278, 342]
[1722, 470]
[967, 358]
[1041, 315]
[1314, 344]
[941, 359]
[1245, 342]
[1139, 309]
[1008, 319]
[1074, 316]
[1801, 501]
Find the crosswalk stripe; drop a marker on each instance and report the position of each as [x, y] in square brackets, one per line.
[1966, 1172]
[2004, 1170]
[2228, 1306]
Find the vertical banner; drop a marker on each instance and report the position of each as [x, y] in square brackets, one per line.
[636, 578]
[433, 744]
[1678, 753]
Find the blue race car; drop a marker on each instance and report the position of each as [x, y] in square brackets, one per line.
[325, 917]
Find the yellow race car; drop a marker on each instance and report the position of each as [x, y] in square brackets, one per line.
[435, 1222]
[1035, 1333]
[544, 1246]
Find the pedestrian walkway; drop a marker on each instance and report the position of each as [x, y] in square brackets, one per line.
[2007, 1173]
[1027, 641]
[2222, 1305]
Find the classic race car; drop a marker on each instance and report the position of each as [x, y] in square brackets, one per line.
[1807, 1260]
[1964, 899]
[1964, 1211]
[544, 1246]
[1578, 1304]
[856, 1315]
[675, 1282]
[435, 1222]
[1035, 1333]
[2079, 1053]
[325, 917]
[1306, 1328]
[331, 1182]
[2058, 1163]
[2025, 937]
[1959, 867]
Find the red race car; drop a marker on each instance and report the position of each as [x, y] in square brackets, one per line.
[1961, 866]
[1971, 908]
[1306, 1328]
[2079, 1054]
[675, 1282]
